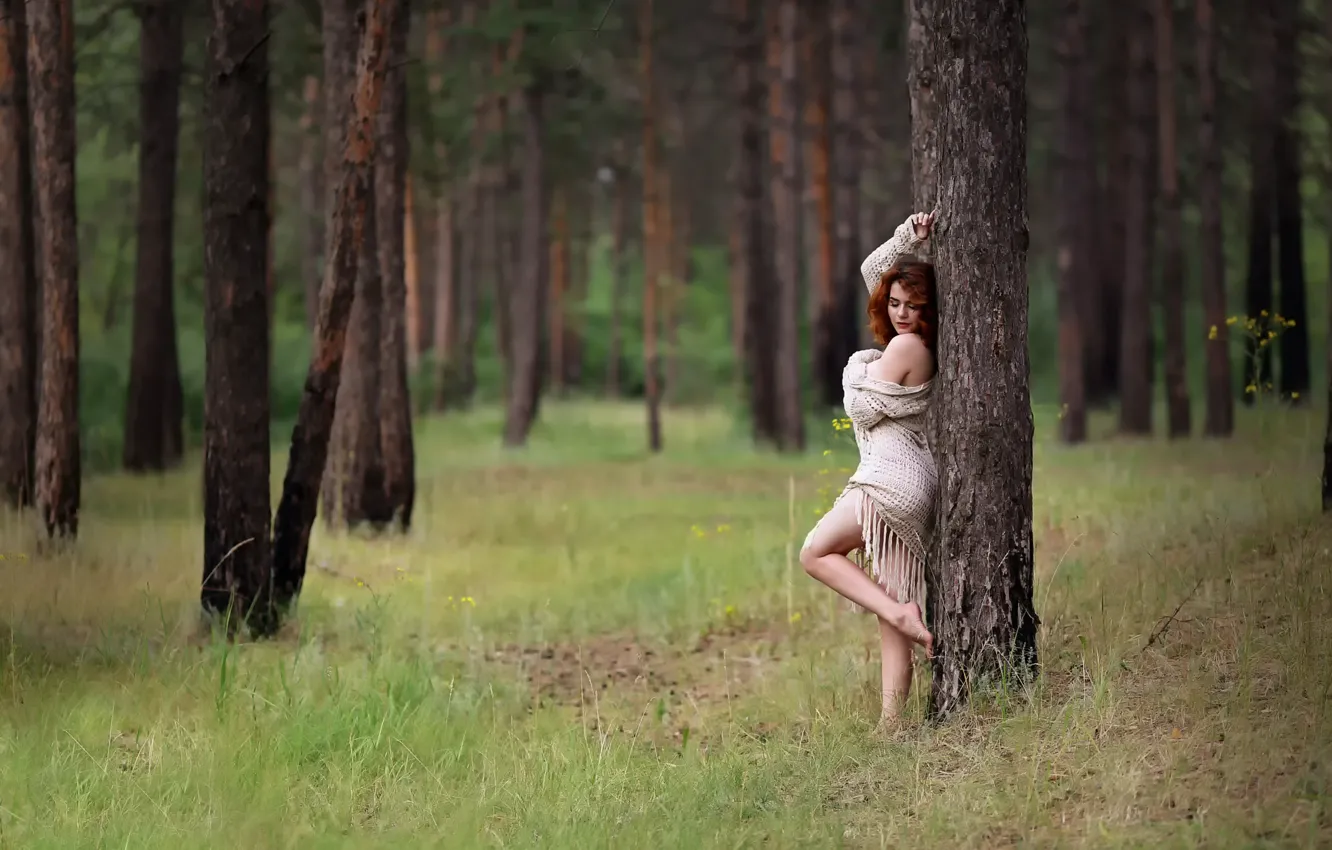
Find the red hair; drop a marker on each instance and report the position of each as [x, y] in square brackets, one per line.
[917, 279]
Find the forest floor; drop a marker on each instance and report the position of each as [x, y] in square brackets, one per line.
[578, 645]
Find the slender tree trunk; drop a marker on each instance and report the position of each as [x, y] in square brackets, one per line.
[1178, 418]
[527, 308]
[1294, 340]
[1077, 173]
[666, 283]
[411, 278]
[786, 256]
[559, 286]
[980, 578]
[352, 199]
[394, 402]
[312, 198]
[1135, 343]
[237, 569]
[446, 294]
[754, 253]
[153, 417]
[847, 156]
[619, 226]
[818, 108]
[1262, 152]
[1103, 304]
[446, 273]
[1220, 419]
[18, 284]
[51, 95]
[354, 478]
[651, 226]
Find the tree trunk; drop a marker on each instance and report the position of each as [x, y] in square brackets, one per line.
[651, 226]
[1077, 175]
[416, 330]
[980, 588]
[527, 305]
[1103, 303]
[51, 95]
[352, 199]
[312, 199]
[394, 402]
[847, 156]
[237, 568]
[559, 287]
[354, 479]
[1220, 419]
[446, 294]
[1178, 418]
[1262, 152]
[758, 319]
[619, 225]
[1135, 342]
[1294, 340]
[18, 286]
[785, 209]
[153, 418]
[818, 108]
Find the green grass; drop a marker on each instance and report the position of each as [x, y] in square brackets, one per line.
[580, 645]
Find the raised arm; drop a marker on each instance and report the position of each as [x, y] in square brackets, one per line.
[881, 259]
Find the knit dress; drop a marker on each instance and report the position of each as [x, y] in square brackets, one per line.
[895, 484]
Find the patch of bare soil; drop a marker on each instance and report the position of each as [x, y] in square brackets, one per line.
[620, 682]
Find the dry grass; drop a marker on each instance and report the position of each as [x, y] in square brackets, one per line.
[583, 646]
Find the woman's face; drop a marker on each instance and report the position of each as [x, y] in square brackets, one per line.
[904, 309]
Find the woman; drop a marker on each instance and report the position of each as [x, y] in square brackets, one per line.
[887, 508]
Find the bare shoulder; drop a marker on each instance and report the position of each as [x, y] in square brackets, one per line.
[905, 355]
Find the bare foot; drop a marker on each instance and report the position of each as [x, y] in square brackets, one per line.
[909, 622]
[890, 726]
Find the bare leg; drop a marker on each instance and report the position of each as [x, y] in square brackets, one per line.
[824, 557]
[896, 656]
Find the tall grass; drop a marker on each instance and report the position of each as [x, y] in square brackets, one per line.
[581, 645]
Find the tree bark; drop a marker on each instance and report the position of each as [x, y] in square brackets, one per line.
[1135, 342]
[51, 95]
[394, 402]
[352, 199]
[758, 320]
[651, 227]
[354, 487]
[18, 281]
[418, 326]
[980, 577]
[1220, 418]
[1293, 343]
[785, 209]
[1077, 175]
[1178, 418]
[1262, 152]
[847, 156]
[237, 569]
[528, 302]
[1103, 304]
[312, 199]
[818, 108]
[154, 438]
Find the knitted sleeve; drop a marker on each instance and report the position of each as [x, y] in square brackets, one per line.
[882, 258]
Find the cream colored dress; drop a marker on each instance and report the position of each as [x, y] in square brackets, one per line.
[895, 484]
